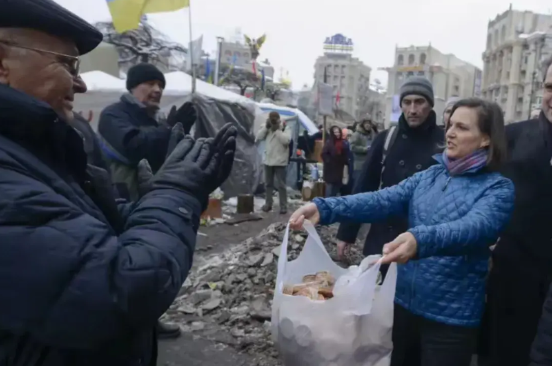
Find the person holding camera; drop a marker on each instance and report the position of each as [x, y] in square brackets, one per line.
[275, 160]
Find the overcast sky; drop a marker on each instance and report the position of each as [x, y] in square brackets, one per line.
[296, 29]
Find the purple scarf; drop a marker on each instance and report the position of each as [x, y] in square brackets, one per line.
[470, 163]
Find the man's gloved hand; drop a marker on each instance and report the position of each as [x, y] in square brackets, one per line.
[268, 124]
[225, 143]
[144, 171]
[186, 115]
[197, 167]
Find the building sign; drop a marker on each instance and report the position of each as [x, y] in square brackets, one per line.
[395, 108]
[477, 83]
[338, 43]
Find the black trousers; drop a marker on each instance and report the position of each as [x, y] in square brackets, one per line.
[515, 296]
[421, 342]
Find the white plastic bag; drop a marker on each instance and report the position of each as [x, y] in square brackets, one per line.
[352, 329]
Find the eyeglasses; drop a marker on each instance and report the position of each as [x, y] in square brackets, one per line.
[72, 62]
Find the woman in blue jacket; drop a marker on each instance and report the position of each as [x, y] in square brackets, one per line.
[456, 210]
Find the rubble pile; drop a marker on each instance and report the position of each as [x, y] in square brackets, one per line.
[228, 299]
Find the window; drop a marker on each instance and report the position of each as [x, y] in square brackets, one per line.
[489, 40]
[237, 54]
[343, 67]
[400, 60]
[526, 59]
[411, 59]
[409, 74]
[421, 73]
[423, 59]
[503, 33]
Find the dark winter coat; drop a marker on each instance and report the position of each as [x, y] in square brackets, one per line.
[527, 240]
[541, 352]
[91, 142]
[454, 220]
[129, 134]
[335, 162]
[411, 152]
[84, 280]
[361, 140]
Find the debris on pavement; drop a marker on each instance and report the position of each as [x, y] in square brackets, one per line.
[228, 299]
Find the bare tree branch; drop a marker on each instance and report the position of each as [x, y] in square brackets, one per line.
[145, 44]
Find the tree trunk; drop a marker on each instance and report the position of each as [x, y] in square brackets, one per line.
[144, 58]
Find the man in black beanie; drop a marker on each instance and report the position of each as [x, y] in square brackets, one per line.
[130, 130]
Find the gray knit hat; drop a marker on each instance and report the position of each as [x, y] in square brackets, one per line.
[418, 85]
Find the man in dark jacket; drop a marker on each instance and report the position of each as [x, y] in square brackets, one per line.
[416, 139]
[522, 259]
[83, 279]
[133, 128]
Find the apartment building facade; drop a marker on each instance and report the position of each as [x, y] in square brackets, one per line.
[517, 42]
[350, 78]
[450, 76]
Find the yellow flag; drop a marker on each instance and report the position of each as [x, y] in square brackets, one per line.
[126, 14]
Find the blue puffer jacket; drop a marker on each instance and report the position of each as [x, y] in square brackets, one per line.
[454, 220]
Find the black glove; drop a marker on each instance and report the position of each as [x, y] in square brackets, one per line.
[186, 115]
[144, 171]
[225, 144]
[190, 168]
[268, 124]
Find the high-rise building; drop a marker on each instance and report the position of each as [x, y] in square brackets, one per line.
[450, 76]
[517, 41]
[349, 76]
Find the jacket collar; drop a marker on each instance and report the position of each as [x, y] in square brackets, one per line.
[36, 126]
[135, 103]
[429, 125]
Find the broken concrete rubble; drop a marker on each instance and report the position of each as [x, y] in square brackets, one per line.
[232, 293]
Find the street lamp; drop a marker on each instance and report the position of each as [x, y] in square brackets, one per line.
[217, 63]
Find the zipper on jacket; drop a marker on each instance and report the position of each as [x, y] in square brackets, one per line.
[447, 183]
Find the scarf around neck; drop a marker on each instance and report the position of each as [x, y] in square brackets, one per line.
[470, 163]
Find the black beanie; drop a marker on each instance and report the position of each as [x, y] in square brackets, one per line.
[418, 85]
[143, 73]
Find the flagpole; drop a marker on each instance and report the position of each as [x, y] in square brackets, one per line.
[191, 55]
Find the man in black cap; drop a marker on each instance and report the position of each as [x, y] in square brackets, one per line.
[130, 129]
[84, 280]
[395, 155]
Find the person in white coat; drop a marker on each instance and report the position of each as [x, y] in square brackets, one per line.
[276, 159]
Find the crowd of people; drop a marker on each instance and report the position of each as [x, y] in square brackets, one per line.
[463, 209]
[98, 230]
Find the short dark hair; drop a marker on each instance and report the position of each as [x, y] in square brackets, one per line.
[491, 123]
[546, 63]
[274, 116]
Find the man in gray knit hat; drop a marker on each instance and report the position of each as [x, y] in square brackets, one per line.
[417, 100]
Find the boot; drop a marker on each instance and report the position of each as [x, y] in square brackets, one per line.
[266, 208]
[283, 210]
[167, 331]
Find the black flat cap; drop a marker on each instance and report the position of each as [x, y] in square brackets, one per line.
[52, 18]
